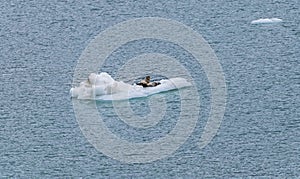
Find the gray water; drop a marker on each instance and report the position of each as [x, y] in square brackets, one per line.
[41, 42]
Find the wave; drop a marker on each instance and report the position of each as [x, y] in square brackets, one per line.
[103, 87]
[266, 20]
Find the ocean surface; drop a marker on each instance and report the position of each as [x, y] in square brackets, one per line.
[42, 41]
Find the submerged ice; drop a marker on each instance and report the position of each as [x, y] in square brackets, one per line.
[103, 87]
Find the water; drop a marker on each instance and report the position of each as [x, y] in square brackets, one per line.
[41, 42]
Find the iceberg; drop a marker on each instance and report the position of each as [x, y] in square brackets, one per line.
[266, 21]
[103, 87]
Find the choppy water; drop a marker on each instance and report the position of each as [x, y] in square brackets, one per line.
[41, 42]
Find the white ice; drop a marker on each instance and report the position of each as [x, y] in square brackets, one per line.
[266, 20]
[103, 87]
